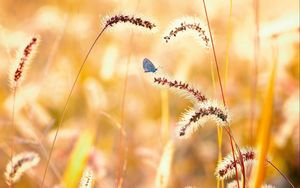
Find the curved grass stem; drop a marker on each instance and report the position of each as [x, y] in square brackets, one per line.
[284, 176]
[67, 102]
[233, 155]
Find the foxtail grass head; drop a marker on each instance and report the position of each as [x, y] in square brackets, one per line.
[20, 164]
[226, 167]
[180, 87]
[130, 20]
[203, 110]
[23, 59]
[189, 26]
[199, 115]
[87, 178]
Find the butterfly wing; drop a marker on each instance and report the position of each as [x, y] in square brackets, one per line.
[148, 66]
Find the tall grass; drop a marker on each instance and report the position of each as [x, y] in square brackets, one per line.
[109, 22]
[223, 99]
[144, 152]
[16, 77]
[264, 135]
[227, 54]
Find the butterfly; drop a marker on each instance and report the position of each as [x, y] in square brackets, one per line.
[148, 66]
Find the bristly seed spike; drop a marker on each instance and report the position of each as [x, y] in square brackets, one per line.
[183, 87]
[23, 60]
[189, 24]
[120, 18]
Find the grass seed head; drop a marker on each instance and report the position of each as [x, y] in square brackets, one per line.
[19, 164]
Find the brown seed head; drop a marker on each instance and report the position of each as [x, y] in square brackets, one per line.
[129, 19]
[22, 61]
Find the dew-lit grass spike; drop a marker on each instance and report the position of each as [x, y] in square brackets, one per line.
[148, 66]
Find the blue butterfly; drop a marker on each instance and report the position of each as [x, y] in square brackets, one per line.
[148, 66]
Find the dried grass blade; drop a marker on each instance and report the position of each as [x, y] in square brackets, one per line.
[259, 171]
[78, 158]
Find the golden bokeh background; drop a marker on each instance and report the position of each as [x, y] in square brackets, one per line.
[67, 30]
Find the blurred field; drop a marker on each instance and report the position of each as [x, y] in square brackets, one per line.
[99, 106]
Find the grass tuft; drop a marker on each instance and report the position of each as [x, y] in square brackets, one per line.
[19, 165]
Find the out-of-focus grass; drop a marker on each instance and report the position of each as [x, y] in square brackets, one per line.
[264, 134]
[67, 29]
[78, 158]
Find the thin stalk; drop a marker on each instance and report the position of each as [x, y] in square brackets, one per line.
[255, 69]
[233, 156]
[228, 40]
[282, 174]
[67, 102]
[242, 165]
[228, 130]
[220, 183]
[122, 160]
[13, 129]
[214, 53]
[219, 129]
[222, 92]
[122, 137]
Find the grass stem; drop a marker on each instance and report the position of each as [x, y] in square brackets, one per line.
[13, 129]
[284, 176]
[223, 97]
[67, 102]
